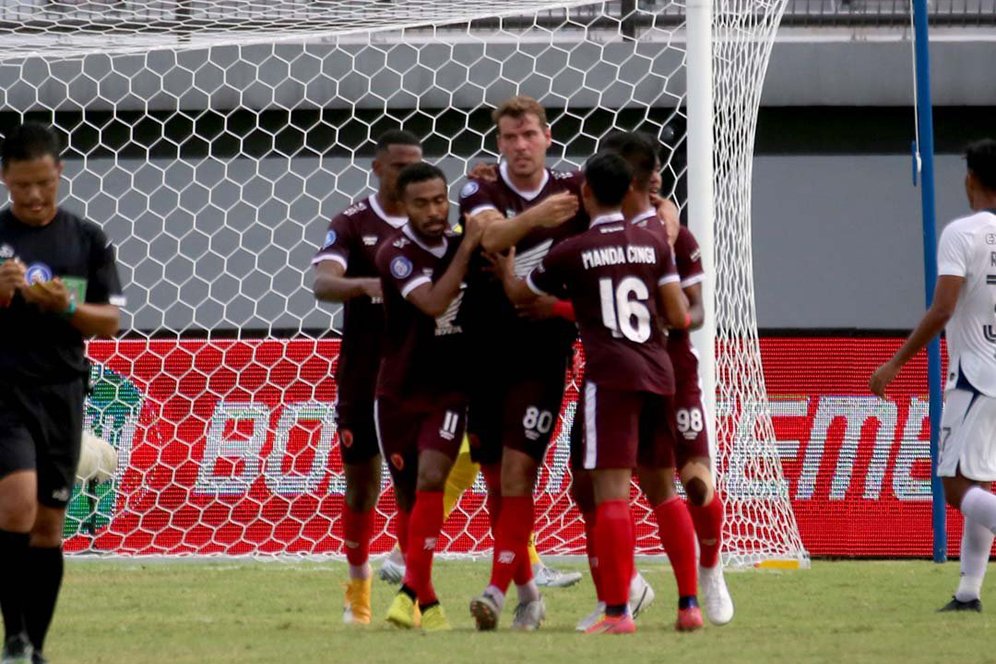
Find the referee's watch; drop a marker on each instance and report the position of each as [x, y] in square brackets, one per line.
[71, 309]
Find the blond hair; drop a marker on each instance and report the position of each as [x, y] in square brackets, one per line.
[519, 106]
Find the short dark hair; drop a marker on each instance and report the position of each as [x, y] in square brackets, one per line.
[609, 177]
[396, 137]
[418, 172]
[981, 159]
[638, 150]
[28, 141]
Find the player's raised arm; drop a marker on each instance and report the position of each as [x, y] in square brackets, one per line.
[422, 190]
[434, 298]
[551, 211]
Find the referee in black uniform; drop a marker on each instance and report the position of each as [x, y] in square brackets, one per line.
[58, 286]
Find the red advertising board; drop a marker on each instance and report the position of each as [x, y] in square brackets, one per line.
[234, 451]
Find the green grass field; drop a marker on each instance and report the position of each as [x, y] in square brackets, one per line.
[115, 611]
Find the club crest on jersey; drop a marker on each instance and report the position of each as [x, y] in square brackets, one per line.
[329, 238]
[346, 438]
[469, 189]
[401, 267]
[398, 461]
[38, 272]
[6, 251]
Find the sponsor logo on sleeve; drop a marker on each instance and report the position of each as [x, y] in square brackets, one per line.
[330, 238]
[469, 189]
[401, 267]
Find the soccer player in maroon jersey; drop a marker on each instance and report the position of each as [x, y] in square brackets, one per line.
[693, 455]
[656, 473]
[622, 282]
[421, 405]
[513, 410]
[345, 272]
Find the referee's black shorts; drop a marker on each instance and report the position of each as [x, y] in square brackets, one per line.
[40, 429]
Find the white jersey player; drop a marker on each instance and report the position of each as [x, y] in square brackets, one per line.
[965, 306]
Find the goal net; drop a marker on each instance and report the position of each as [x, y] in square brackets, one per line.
[214, 139]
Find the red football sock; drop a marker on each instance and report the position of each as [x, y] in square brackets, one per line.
[511, 547]
[492, 478]
[401, 529]
[709, 528]
[678, 537]
[426, 522]
[589, 544]
[356, 535]
[614, 545]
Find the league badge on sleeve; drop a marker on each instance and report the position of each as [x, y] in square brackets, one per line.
[401, 267]
[469, 189]
[330, 238]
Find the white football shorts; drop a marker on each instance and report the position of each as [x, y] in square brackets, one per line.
[968, 436]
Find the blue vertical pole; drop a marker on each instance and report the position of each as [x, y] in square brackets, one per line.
[925, 141]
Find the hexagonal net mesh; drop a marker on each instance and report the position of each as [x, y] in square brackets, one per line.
[213, 140]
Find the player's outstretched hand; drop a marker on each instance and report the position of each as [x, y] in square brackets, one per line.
[880, 380]
[484, 170]
[47, 295]
[556, 209]
[11, 278]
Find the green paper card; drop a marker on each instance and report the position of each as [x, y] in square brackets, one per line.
[77, 288]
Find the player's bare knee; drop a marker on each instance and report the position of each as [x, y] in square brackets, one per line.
[518, 473]
[657, 484]
[584, 496]
[361, 498]
[432, 479]
[954, 490]
[47, 538]
[46, 532]
[17, 516]
[699, 493]
[698, 484]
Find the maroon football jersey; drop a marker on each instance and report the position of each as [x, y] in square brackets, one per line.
[612, 273]
[489, 311]
[424, 360]
[649, 220]
[688, 258]
[352, 240]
